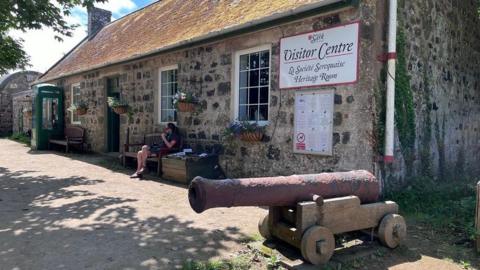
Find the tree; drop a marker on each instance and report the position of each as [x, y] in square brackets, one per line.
[26, 15]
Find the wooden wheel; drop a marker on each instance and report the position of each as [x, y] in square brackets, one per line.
[392, 230]
[317, 245]
[263, 228]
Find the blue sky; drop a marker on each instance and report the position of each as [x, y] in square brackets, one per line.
[45, 51]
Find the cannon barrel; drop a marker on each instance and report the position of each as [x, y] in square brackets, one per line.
[281, 190]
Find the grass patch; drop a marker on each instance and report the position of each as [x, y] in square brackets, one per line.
[447, 207]
[242, 262]
[251, 238]
[21, 138]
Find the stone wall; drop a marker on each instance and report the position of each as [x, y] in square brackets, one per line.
[10, 85]
[443, 60]
[207, 71]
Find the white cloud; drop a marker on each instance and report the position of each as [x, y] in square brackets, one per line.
[118, 7]
[44, 50]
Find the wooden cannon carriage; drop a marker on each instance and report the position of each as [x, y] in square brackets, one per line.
[311, 225]
[311, 221]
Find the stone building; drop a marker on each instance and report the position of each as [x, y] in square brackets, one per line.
[22, 103]
[9, 86]
[206, 48]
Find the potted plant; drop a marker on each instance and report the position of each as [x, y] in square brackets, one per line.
[245, 131]
[185, 102]
[80, 108]
[118, 106]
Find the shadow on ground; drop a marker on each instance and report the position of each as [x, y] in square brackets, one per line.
[111, 163]
[44, 225]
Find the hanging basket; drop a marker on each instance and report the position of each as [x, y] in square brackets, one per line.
[251, 136]
[120, 109]
[186, 106]
[81, 111]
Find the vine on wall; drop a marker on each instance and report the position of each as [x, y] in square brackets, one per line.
[404, 111]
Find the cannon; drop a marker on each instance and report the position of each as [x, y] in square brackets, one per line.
[281, 190]
[307, 211]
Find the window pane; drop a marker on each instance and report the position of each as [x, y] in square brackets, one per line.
[164, 105]
[257, 66]
[264, 76]
[244, 62]
[264, 95]
[172, 89]
[171, 116]
[254, 60]
[169, 88]
[242, 113]
[164, 89]
[263, 113]
[243, 96]
[164, 76]
[253, 80]
[253, 96]
[243, 79]
[163, 117]
[252, 112]
[265, 59]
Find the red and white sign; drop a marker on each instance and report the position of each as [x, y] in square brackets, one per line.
[326, 57]
[300, 145]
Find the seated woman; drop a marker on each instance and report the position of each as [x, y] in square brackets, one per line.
[170, 137]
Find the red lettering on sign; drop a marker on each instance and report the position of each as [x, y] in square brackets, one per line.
[300, 146]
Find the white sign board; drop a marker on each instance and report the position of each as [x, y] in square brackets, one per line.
[326, 57]
[313, 131]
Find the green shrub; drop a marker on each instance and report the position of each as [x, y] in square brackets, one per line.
[445, 206]
[21, 138]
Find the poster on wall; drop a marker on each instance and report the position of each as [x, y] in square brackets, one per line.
[313, 123]
[321, 58]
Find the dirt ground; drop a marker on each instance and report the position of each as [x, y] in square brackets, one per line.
[77, 212]
[62, 212]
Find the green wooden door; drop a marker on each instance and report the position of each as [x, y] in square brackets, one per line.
[113, 119]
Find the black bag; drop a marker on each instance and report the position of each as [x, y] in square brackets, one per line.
[155, 148]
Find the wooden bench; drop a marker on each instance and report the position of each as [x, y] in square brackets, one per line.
[130, 150]
[74, 135]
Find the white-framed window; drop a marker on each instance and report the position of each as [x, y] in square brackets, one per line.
[75, 97]
[252, 84]
[168, 86]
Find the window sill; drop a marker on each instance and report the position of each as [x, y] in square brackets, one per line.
[259, 123]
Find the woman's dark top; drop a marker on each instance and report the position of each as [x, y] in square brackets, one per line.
[157, 148]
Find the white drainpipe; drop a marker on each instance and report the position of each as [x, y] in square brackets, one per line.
[392, 56]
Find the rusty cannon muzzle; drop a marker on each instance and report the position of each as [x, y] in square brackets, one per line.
[281, 190]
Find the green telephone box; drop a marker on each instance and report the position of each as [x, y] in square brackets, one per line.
[47, 115]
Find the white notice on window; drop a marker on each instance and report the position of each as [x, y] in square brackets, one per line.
[313, 130]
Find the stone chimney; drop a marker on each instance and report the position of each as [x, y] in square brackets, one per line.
[97, 19]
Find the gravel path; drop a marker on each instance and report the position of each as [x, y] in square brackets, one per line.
[64, 212]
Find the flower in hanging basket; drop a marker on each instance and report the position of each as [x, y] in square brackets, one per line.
[245, 131]
[185, 102]
[117, 105]
[80, 108]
